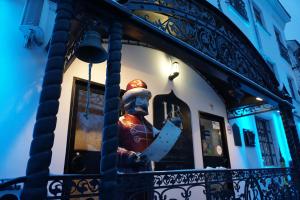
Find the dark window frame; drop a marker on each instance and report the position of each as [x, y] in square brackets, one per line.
[77, 85]
[240, 7]
[282, 48]
[291, 86]
[259, 18]
[267, 146]
[214, 161]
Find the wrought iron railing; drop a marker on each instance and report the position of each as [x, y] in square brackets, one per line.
[204, 28]
[213, 184]
[74, 186]
[238, 184]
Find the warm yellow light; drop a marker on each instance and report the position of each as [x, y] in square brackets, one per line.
[174, 71]
[259, 99]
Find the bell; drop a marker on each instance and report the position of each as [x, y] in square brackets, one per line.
[90, 49]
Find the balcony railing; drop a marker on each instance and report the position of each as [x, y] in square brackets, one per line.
[200, 25]
[271, 183]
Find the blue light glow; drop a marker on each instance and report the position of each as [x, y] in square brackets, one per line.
[248, 122]
[21, 70]
[298, 128]
[281, 137]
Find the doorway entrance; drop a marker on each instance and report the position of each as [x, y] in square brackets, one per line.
[214, 142]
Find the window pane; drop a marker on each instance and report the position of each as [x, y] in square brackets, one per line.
[211, 138]
[88, 130]
[266, 142]
[258, 15]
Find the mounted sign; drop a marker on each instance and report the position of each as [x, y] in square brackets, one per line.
[181, 155]
[250, 110]
[249, 138]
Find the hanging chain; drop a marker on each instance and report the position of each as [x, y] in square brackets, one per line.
[88, 94]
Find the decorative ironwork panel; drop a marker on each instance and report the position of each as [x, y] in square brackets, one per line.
[240, 7]
[238, 184]
[208, 30]
[73, 186]
[272, 183]
[249, 110]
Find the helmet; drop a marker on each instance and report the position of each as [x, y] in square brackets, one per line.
[135, 88]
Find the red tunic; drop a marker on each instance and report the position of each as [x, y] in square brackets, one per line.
[135, 135]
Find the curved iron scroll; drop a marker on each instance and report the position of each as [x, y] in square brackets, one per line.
[239, 184]
[207, 29]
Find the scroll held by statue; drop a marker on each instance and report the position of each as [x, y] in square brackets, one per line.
[164, 142]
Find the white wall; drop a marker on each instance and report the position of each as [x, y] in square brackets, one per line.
[21, 72]
[246, 157]
[152, 66]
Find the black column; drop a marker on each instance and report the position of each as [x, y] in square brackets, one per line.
[108, 165]
[292, 138]
[37, 171]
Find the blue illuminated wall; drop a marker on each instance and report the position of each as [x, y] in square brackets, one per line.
[21, 72]
[246, 157]
[281, 137]
[251, 157]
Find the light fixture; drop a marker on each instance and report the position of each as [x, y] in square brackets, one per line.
[174, 71]
[259, 99]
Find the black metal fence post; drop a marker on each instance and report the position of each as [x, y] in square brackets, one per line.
[37, 171]
[292, 139]
[108, 165]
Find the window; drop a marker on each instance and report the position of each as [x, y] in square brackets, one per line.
[290, 80]
[30, 23]
[240, 7]
[181, 155]
[258, 16]
[213, 139]
[283, 50]
[266, 142]
[85, 135]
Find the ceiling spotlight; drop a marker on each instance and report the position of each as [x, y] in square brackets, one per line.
[259, 99]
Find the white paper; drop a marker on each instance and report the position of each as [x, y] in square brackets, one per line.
[164, 142]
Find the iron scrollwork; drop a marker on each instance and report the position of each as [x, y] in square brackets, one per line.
[245, 184]
[198, 25]
[73, 186]
[238, 184]
[250, 110]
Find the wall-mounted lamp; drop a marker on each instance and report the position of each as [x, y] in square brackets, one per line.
[259, 99]
[174, 71]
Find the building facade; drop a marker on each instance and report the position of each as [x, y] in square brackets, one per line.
[237, 92]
